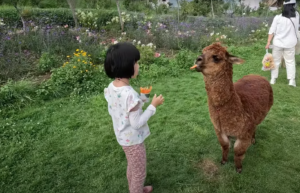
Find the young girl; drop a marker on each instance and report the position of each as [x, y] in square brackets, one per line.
[125, 108]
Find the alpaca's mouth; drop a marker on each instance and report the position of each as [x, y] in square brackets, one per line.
[199, 64]
[198, 68]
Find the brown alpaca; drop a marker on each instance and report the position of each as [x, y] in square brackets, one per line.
[235, 108]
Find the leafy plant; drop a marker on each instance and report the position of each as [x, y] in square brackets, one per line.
[48, 61]
[17, 93]
[87, 19]
[78, 75]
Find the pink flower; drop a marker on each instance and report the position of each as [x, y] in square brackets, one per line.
[156, 55]
[112, 41]
[66, 26]
[78, 39]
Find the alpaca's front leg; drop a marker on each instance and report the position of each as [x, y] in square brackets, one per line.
[224, 142]
[240, 148]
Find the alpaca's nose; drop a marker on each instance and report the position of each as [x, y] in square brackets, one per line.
[199, 59]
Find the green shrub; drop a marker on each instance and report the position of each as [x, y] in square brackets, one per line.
[48, 61]
[105, 4]
[147, 53]
[78, 75]
[185, 59]
[38, 16]
[47, 4]
[162, 9]
[87, 19]
[17, 93]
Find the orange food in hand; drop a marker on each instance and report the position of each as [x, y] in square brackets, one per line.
[145, 90]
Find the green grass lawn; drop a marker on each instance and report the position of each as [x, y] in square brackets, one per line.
[68, 145]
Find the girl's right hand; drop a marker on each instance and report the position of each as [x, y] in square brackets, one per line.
[268, 45]
[156, 101]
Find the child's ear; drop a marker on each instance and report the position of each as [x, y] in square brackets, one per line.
[235, 60]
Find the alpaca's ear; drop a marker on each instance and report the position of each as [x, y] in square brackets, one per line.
[235, 60]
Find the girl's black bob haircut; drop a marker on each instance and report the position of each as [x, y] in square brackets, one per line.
[289, 11]
[120, 59]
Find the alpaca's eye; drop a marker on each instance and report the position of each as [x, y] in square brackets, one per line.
[216, 59]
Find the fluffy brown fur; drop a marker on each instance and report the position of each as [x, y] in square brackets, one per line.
[235, 108]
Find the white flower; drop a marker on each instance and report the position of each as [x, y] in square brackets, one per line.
[143, 45]
[211, 34]
[123, 13]
[244, 13]
[120, 38]
[150, 45]
[87, 30]
[34, 29]
[167, 31]
[252, 31]
[217, 34]
[115, 42]
[266, 25]
[154, 47]
[139, 42]
[124, 33]
[133, 41]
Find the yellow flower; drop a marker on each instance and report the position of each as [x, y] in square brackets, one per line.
[91, 62]
[67, 62]
[89, 55]
[81, 71]
[74, 66]
[81, 51]
[78, 60]
[77, 50]
[85, 62]
[84, 54]
[68, 56]
[86, 70]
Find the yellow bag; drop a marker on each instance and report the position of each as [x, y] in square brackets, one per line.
[268, 62]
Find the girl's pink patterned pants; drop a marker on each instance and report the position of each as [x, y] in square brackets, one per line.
[136, 167]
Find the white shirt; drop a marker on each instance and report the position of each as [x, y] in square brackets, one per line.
[284, 31]
[130, 127]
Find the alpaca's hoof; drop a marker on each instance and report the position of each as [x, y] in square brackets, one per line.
[253, 141]
[239, 170]
[223, 162]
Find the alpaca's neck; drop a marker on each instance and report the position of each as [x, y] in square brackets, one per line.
[219, 89]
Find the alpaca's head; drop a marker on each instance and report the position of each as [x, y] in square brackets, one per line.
[215, 60]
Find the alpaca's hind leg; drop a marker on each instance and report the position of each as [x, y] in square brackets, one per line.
[224, 142]
[240, 148]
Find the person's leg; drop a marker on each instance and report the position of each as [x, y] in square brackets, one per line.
[289, 57]
[277, 56]
[128, 153]
[137, 165]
